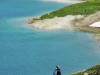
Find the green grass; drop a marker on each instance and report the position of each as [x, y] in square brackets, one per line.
[95, 70]
[36, 19]
[85, 8]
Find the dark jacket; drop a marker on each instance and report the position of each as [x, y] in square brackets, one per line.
[57, 71]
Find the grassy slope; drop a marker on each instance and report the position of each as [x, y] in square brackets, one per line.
[91, 71]
[85, 8]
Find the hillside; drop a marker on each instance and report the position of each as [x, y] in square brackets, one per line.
[95, 70]
[85, 8]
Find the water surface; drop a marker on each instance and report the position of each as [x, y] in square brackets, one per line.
[26, 51]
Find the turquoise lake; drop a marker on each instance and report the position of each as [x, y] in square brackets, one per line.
[27, 51]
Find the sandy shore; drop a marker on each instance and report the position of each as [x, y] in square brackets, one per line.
[66, 22]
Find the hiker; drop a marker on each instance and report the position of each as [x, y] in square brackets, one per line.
[57, 71]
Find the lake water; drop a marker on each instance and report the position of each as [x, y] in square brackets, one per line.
[26, 51]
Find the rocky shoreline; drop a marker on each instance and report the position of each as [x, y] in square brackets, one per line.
[66, 22]
[74, 22]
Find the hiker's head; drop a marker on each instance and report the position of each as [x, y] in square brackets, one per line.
[57, 66]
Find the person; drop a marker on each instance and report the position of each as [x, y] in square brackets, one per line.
[57, 71]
